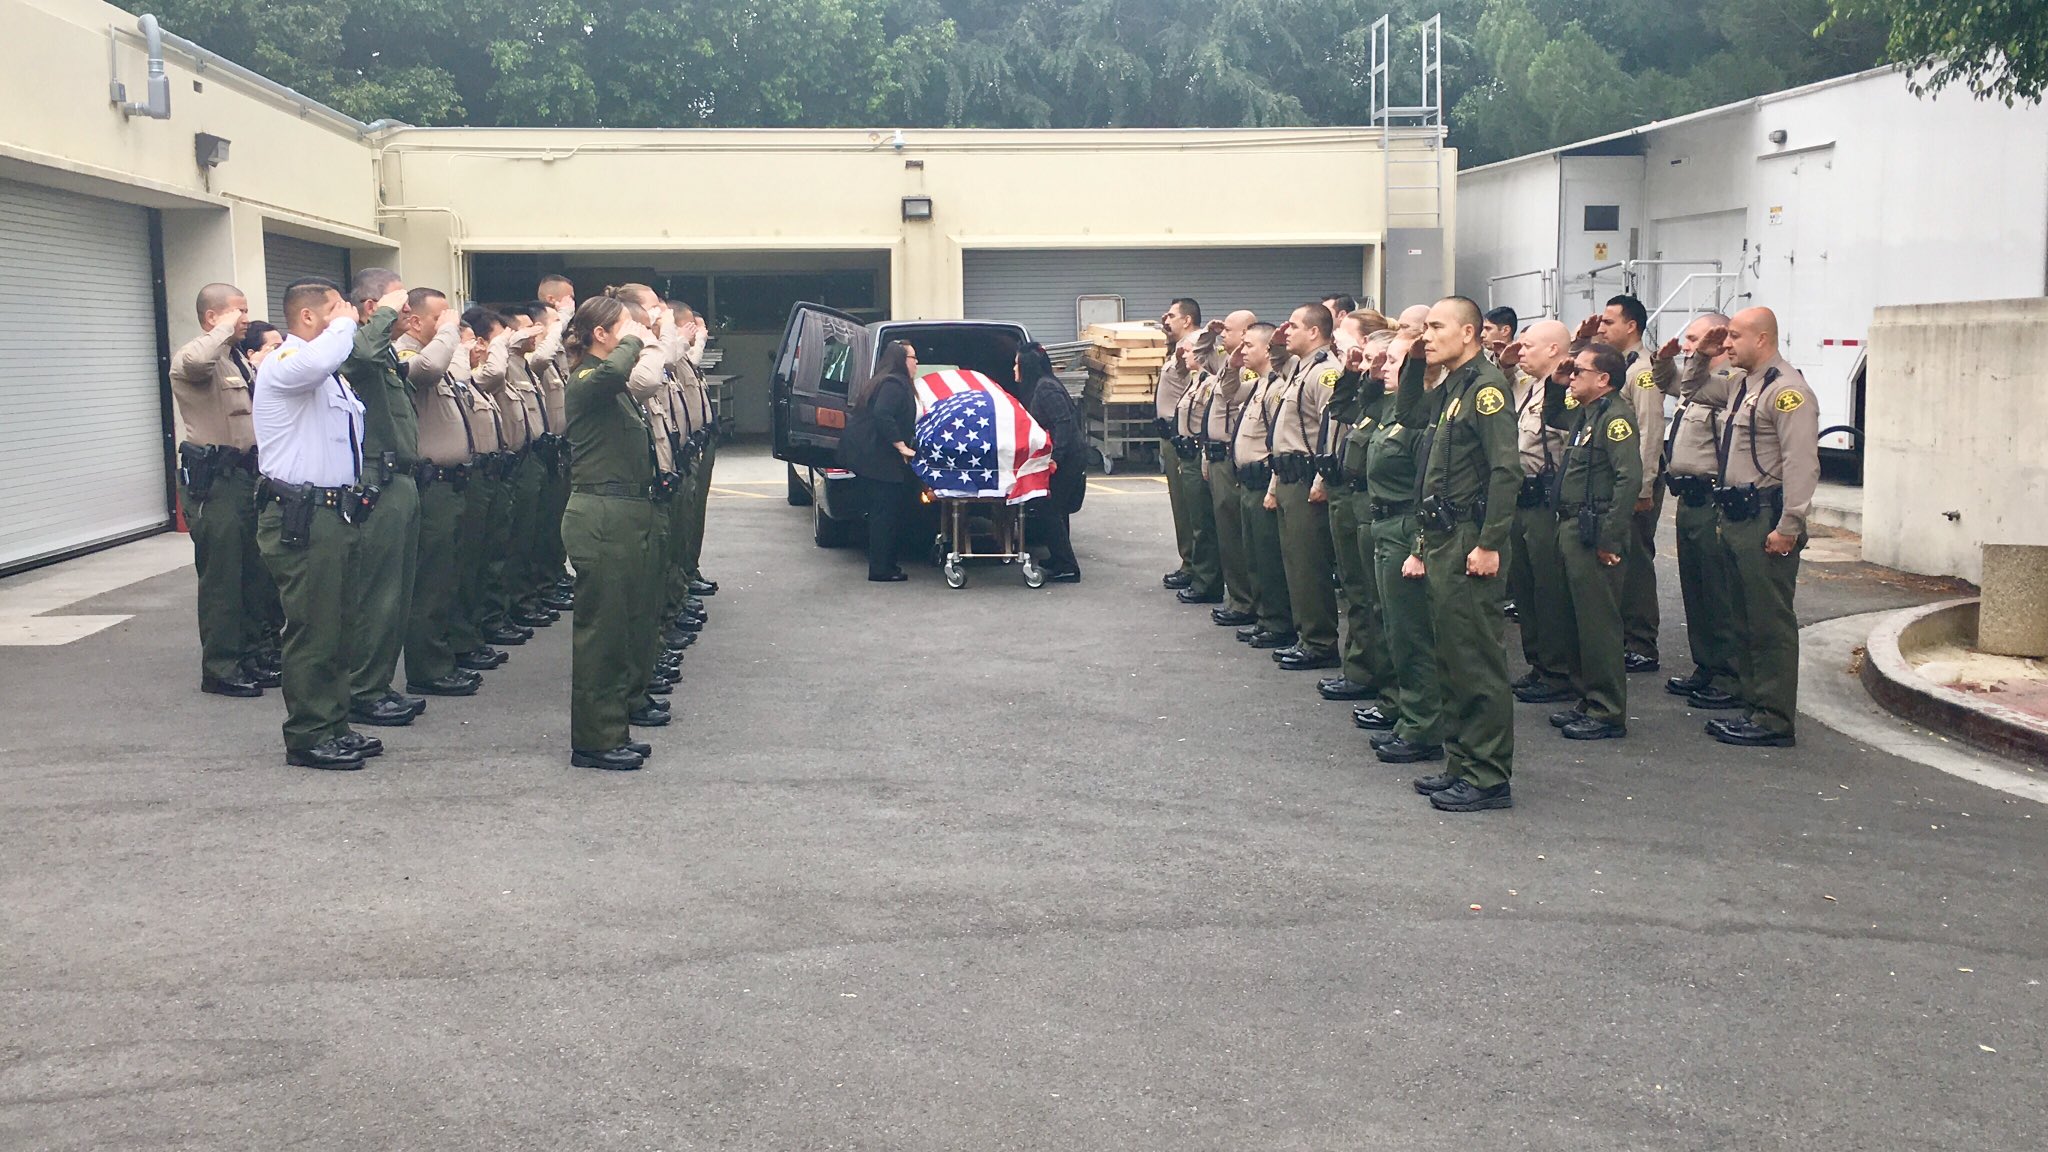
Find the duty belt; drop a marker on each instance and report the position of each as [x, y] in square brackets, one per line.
[613, 488]
[426, 472]
[1388, 509]
[1567, 511]
[268, 489]
[1693, 491]
[1535, 491]
[1748, 502]
[1255, 475]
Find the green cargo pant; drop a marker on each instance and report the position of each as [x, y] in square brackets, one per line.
[1592, 633]
[1177, 499]
[513, 579]
[1205, 560]
[693, 548]
[436, 583]
[387, 559]
[1639, 611]
[1364, 645]
[234, 586]
[472, 561]
[548, 551]
[1226, 507]
[1305, 550]
[1764, 620]
[1707, 583]
[1536, 580]
[607, 541]
[1268, 564]
[1411, 636]
[1471, 661]
[675, 568]
[654, 587]
[316, 584]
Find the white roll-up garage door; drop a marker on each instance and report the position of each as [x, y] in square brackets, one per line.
[288, 258]
[1038, 287]
[81, 398]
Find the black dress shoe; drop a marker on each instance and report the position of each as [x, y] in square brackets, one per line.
[1225, 618]
[506, 634]
[640, 748]
[1176, 580]
[1431, 785]
[657, 705]
[418, 704]
[1246, 633]
[1591, 729]
[1066, 576]
[660, 686]
[558, 604]
[1276, 640]
[703, 587]
[1399, 751]
[1280, 654]
[369, 747]
[1750, 734]
[219, 687]
[1637, 662]
[1687, 685]
[1525, 680]
[532, 618]
[1191, 596]
[645, 717]
[327, 754]
[1372, 719]
[1711, 699]
[382, 714]
[674, 639]
[1545, 693]
[1465, 797]
[262, 675]
[449, 685]
[1379, 740]
[1306, 661]
[616, 760]
[1509, 610]
[894, 577]
[1720, 724]
[1343, 689]
[481, 660]
[694, 606]
[1566, 718]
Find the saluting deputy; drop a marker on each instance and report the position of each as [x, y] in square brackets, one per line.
[1597, 485]
[1355, 408]
[1298, 491]
[1770, 452]
[427, 348]
[702, 424]
[1621, 328]
[1251, 452]
[606, 529]
[309, 437]
[550, 362]
[483, 525]
[1412, 730]
[1469, 483]
[1209, 587]
[1193, 532]
[516, 597]
[388, 551]
[1692, 460]
[1222, 409]
[1536, 576]
[217, 489]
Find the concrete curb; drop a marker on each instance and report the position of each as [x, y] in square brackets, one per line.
[1893, 683]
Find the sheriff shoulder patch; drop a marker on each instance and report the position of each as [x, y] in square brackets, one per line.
[407, 354]
[1644, 379]
[1571, 402]
[1618, 430]
[1788, 401]
[1329, 377]
[1247, 376]
[287, 353]
[1489, 400]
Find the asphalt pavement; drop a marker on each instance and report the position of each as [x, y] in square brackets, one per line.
[995, 868]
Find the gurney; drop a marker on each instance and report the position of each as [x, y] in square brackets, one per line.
[982, 459]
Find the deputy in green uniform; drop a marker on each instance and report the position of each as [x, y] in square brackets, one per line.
[1356, 407]
[1469, 482]
[1251, 452]
[606, 529]
[387, 556]
[1692, 462]
[427, 348]
[1621, 328]
[217, 490]
[1536, 579]
[1224, 392]
[1199, 576]
[1770, 449]
[1597, 485]
[1299, 490]
[483, 503]
[1412, 730]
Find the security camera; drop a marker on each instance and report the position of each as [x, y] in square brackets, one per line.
[896, 141]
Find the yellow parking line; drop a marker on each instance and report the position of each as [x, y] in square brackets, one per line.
[748, 495]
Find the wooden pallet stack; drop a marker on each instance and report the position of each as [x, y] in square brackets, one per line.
[1124, 363]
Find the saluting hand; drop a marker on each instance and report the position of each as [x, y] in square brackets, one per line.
[1511, 355]
[1354, 358]
[1712, 344]
[394, 300]
[1588, 328]
[1669, 351]
[230, 319]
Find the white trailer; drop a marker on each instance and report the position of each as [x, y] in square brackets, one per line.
[1822, 203]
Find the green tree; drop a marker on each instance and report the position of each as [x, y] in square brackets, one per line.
[1998, 49]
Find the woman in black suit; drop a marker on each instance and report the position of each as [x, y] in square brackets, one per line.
[1049, 404]
[880, 443]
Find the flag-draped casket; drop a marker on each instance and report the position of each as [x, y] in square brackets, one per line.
[975, 440]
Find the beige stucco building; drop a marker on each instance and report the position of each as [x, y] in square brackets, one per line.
[112, 213]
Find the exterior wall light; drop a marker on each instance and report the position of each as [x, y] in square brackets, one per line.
[917, 207]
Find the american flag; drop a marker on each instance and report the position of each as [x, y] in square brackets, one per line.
[975, 440]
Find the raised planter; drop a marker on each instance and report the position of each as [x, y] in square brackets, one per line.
[1893, 683]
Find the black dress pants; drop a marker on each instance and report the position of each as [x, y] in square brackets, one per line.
[888, 509]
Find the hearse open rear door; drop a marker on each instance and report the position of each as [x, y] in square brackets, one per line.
[825, 353]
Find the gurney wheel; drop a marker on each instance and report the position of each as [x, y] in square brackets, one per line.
[956, 576]
[1108, 463]
[1034, 576]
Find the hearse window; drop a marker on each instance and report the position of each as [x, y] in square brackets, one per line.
[837, 371]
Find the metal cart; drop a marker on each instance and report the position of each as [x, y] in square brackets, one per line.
[959, 522]
[1121, 431]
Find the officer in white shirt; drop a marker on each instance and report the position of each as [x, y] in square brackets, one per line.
[309, 436]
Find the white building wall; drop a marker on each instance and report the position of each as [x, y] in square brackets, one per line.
[1507, 223]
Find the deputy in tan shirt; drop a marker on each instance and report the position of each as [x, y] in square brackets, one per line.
[1692, 462]
[1251, 450]
[426, 348]
[210, 379]
[1200, 574]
